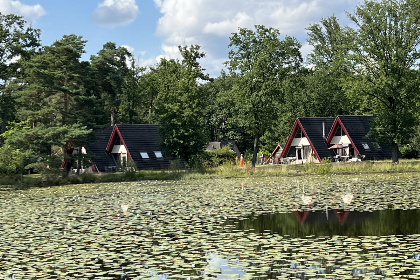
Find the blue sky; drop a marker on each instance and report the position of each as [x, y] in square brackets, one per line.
[151, 29]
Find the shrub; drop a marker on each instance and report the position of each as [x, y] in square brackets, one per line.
[13, 161]
[408, 151]
[218, 157]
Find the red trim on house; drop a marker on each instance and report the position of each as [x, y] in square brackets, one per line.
[286, 147]
[302, 216]
[116, 132]
[292, 136]
[342, 216]
[334, 128]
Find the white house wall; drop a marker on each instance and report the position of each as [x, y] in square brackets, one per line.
[119, 149]
[300, 142]
[340, 140]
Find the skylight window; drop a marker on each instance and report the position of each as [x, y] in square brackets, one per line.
[365, 146]
[158, 154]
[144, 155]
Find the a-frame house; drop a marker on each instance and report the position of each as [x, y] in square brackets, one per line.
[125, 144]
[348, 138]
[306, 141]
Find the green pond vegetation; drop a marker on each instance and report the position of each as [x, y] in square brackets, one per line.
[189, 229]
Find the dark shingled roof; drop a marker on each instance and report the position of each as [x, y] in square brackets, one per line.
[357, 128]
[313, 128]
[136, 138]
[143, 138]
[314, 131]
[100, 158]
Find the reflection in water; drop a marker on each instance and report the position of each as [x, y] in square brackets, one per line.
[347, 198]
[334, 222]
[221, 268]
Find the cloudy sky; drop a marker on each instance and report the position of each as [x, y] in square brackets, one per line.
[154, 28]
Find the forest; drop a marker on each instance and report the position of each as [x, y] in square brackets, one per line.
[51, 100]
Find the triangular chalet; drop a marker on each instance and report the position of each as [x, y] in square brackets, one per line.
[119, 146]
[137, 143]
[306, 141]
[348, 137]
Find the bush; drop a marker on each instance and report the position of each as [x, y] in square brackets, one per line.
[408, 151]
[218, 157]
[13, 161]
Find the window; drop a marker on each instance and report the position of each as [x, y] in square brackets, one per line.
[365, 146]
[144, 155]
[158, 154]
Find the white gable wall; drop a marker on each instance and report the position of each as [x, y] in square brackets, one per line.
[300, 142]
[119, 149]
[340, 140]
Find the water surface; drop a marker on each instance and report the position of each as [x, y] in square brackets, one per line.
[334, 222]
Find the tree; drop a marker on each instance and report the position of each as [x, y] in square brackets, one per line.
[385, 61]
[110, 71]
[332, 44]
[149, 90]
[130, 106]
[179, 104]
[16, 41]
[260, 60]
[46, 101]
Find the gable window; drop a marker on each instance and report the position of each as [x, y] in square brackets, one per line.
[144, 155]
[158, 154]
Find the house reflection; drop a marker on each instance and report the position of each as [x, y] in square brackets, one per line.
[339, 219]
[330, 222]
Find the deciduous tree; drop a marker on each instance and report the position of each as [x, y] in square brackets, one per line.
[260, 60]
[386, 62]
[180, 105]
[17, 40]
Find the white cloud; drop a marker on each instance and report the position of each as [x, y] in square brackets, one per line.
[209, 23]
[130, 49]
[30, 12]
[115, 12]
[228, 26]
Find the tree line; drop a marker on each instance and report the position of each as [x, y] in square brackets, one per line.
[51, 100]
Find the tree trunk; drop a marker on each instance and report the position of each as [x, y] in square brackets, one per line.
[255, 154]
[112, 116]
[68, 162]
[395, 152]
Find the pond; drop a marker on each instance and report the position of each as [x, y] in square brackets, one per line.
[331, 222]
[215, 229]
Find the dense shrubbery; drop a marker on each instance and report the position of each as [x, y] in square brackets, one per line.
[215, 158]
[409, 152]
[13, 161]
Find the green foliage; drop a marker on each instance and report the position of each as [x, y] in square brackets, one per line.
[110, 71]
[180, 104]
[16, 39]
[217, 157]
[408, 151]
[385, 61]
[14, 161]
[260, 61]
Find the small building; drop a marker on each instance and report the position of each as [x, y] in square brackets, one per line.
[306, 141]
[275, 156]
[124, 144]
[231, 143]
